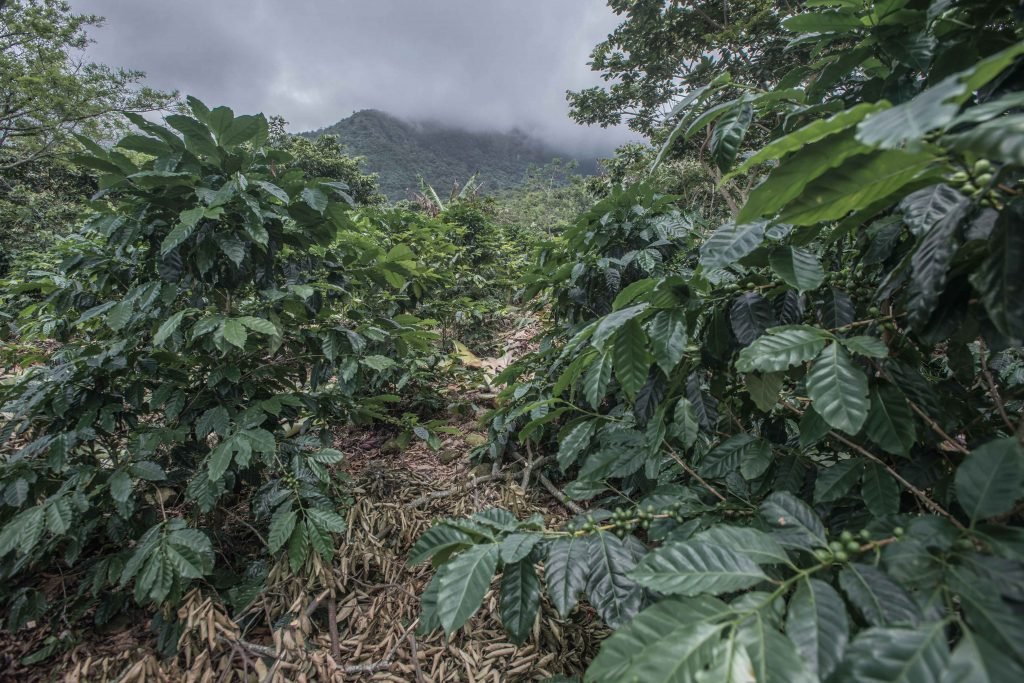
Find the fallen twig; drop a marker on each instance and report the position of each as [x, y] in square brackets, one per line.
[436, 495]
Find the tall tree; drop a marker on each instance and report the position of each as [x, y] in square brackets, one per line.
[662, 50]
[48, 90]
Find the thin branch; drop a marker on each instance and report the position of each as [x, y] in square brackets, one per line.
[918, 493]
[994, 390]
[689, 470]
[561, 497]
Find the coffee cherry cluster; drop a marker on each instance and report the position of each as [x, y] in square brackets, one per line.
[975, 182]
[841, 550]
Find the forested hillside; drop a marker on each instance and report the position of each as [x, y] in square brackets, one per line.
[443, 156]
[747, 407]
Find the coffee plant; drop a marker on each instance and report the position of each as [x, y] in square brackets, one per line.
[800, 432]
[215, 315]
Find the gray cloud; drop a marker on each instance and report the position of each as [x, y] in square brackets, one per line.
[484, 64]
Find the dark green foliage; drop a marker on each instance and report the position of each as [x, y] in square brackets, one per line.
[210, 336]
[806, 448]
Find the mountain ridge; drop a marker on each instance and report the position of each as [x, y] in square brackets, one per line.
[403, 151]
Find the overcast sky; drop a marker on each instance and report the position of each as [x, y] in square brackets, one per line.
[487, 64]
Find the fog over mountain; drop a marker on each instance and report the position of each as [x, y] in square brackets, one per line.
[444, 156]
[486, 66]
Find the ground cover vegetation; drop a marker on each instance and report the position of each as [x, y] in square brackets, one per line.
[755, 393]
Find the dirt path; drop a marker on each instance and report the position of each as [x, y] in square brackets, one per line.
[368, 592]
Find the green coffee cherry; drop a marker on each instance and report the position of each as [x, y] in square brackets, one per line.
[823, 555]
[982, 166]
[865, 534]
[853, 547]
[959, 177]
[846, 537]
[898, 531]
[835, 546]
[841, 556]
[983, 179]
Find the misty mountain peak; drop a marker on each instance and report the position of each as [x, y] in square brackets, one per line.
[403, 151]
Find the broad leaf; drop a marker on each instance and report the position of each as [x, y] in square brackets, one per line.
[798, 268]
[859, 182]
[615, 596]
[838, 390]
[781, 348]
[899, 655]
[694, 568]
[750, 315]
[631, 358]
[929, 266]
[991, 479]
[464, 582]
[668, 339]
[816, 622]
[731, 242]
[669, 642]
[879, 599]
[760, 547]
[565, 571]
[575, 442]
[794, 524]
[890, 423]
[520, 599]
[998, 279]
[880, 491]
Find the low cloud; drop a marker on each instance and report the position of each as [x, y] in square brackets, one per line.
[486, 65]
